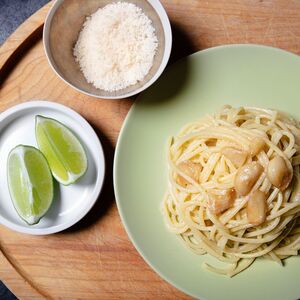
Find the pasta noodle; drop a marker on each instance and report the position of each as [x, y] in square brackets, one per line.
[234, 187]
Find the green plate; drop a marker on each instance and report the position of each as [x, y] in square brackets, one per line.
[199, 84]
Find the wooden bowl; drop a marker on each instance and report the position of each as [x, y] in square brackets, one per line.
[61, 31]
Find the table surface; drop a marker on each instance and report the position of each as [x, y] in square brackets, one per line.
[12, 14]
[196, 26]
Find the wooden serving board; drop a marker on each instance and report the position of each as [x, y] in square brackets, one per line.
[95, 259]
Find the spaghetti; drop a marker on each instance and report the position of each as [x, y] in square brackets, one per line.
[234, 187]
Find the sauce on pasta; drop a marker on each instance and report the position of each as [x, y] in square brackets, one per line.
[234, 187]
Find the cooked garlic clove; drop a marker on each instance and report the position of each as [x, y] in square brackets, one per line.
[257, 208]
[219, 201]
[246, 177]
[191, 169]
[278, 173]
[236, 156]
[256, 146]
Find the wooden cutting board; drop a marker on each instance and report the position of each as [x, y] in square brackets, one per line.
[95, 259]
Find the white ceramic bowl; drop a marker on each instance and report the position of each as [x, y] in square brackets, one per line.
[61, 30]
[71, 203]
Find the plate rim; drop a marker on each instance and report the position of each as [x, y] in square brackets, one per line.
[129, 233]
[100, 161]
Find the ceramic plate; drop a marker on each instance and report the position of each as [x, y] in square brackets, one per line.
[199, 84]
[71, 203]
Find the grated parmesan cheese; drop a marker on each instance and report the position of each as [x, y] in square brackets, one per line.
[116, 46]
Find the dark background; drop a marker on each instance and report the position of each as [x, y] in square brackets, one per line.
[15, 12]
[12, 14]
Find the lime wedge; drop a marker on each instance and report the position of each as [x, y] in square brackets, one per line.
[30, 183]
[65, 154]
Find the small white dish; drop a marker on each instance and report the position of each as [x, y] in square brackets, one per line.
[71, 203]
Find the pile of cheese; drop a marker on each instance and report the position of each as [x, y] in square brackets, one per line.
[116, 46]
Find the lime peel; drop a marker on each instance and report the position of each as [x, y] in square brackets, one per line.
[30, 183]
[63, 150]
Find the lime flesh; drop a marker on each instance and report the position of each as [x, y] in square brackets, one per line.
[64, 152]
[30, 183]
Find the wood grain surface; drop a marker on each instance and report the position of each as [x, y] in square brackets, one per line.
[94, 259]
